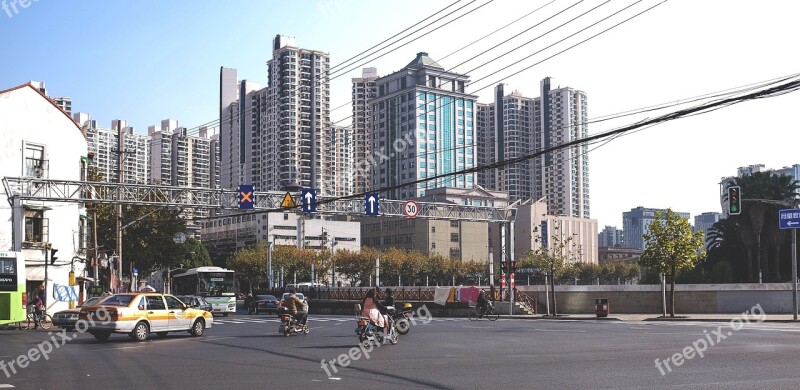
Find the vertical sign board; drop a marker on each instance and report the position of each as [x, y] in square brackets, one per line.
[308, 197]
[372, 204]
[246, 197]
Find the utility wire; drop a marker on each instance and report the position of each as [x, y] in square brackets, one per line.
[393, 36]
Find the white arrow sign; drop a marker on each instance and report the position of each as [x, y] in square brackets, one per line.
[792, 223]
[371, 200]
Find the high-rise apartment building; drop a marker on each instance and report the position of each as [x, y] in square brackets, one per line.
[340, 159]
[65, 103]
[423, 126]
[104, 144]
[241, 112]
[364, 89]
[179, 159]
[562, 175]
[506, 131]
[515, 126]
[273, 137]
[298, 115]
[636, 222]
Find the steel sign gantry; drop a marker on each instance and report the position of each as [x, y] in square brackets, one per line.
[19, 189]
[51, 190]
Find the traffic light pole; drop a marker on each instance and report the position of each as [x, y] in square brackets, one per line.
[794, 273]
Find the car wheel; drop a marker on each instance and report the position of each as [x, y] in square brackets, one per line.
[101, 336]
[161, 334]
[198, 328]
[140, 331]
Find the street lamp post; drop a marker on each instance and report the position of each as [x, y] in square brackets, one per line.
[166, 282]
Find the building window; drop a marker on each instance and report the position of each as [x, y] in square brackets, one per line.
[36, 226]
[34, 160]
[453, 237]
[454, 224]
[433, 229]
[285, 217]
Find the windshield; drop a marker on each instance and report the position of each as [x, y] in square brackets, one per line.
[216, 284]
[118, 300]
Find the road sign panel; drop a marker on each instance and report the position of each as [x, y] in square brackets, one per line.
[410, 208]
[372, 204]
[288, 201]
[246, 196]
[789, 219]
[309, 198]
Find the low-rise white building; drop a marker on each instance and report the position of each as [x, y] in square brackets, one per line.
[40, 140]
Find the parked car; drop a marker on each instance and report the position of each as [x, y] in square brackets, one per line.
[195, 301]
[286, 295]
[67, 318]
[265, 303]
[139, 314]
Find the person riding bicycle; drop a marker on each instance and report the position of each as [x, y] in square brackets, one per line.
[482, 304]
[38, 304]
[296, 307]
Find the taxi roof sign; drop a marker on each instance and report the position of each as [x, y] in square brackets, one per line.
[288, 201]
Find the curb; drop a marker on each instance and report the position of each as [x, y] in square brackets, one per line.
[657, 319]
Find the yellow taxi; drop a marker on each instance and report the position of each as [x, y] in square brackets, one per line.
[139, 314]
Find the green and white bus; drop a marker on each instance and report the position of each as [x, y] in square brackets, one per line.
[13, 297]
[215, 284]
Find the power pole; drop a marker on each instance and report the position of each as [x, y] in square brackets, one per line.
[120, 152]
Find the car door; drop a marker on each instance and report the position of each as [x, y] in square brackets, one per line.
[179, 319]
[157, 313]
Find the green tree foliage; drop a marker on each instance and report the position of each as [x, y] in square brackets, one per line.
[670, 246]
[553, 259]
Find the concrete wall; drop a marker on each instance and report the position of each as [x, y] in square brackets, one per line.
[774, 298]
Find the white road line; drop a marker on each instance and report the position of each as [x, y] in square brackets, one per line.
[5, 386]
[560, 330]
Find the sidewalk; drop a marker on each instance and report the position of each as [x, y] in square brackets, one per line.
[721, 317]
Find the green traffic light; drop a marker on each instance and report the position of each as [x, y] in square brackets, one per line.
[734, 208]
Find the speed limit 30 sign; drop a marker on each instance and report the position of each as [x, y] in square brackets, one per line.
[410, 208]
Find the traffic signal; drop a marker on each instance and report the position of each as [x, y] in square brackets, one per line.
[513, 266]
[734, 200]
[53, 256]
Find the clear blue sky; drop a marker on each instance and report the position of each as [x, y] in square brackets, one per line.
[144, 61]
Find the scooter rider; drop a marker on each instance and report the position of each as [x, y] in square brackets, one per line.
[389, 300]
[296, 307]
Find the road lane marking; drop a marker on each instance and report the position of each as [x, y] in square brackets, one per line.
[6, 386]
[560, 330]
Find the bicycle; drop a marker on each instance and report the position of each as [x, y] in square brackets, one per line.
[489, 313]
[45, 320]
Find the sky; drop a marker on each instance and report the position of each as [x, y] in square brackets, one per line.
[148, 60]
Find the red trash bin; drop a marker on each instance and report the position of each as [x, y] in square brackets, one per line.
[601, 307]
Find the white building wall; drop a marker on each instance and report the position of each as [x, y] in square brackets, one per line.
[26, 117]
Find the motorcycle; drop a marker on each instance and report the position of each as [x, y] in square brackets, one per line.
[400, 318]
[289, 325]
[368, 332]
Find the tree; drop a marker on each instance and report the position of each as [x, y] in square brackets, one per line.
[670, 246]
[763, 194]
[552, 258]
[250, 265]
[147, 237]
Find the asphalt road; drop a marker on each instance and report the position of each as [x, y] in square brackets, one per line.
[246, 352]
